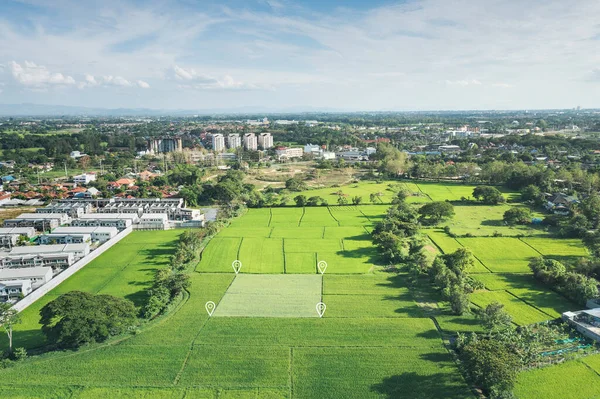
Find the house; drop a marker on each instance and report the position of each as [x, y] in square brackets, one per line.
[119, 220]
[37, 275]
[287, 153]
[560, 204]
[100, 234]
[587, 322]
[125, 182]
[84, 179]
[73, 209]
[78, 250]
[9, 236]
[64, 238]
[153, 221]
[4, 198]
[54, 260]
[146, 175]
[14, 290]
[8, 179]
[40, 221]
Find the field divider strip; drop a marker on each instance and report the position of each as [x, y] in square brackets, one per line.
[529, 304]
[530, 246]
[331, 213]
[270, 216]
[284, 257]
[291, 372]
[301, 216]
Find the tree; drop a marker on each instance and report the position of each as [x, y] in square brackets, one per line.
[8, 318]
[590, 207]
[77, 318]
[356, 200]
[300, 200]
[342, 200]
[295, 184]
[435, 212]
[490, 364]
[488, 195]
[494, 317]
[373, 197]
[314, 200]
[548, 271]
[459, 300]
[533, 194]
[517, 216]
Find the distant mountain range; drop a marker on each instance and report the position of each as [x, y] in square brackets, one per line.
[67, 110]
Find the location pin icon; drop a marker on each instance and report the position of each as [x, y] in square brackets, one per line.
[237, 265]
[210, 308]
[322, 266]
[321, 309]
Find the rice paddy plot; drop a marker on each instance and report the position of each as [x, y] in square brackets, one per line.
[357, 261]
[219, 254]
[317, 217]
[375, 213]
[301, 262]
[506, 281]
[501, 254]
[557, 248]
[237, 366]
[376, 373]
[367, 284]
[397, 303]
[271, 296]
[285, 217]
[449, 244]
[350, 232]
[314, 233]
[349, 215]
[545, 300]
[354, 245]
[306, 245]
[569, 380]
[135, 393]
[261, 255]
[255, 217]
[446, 191]
[247, 232]
[326, 331]
[522, 314]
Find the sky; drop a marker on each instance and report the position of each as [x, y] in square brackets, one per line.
[350, 55]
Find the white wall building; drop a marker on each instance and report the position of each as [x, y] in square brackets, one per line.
[78, 250]
[234, 141]
[250, 142]
[218, 142]
[153, 221]
[84, 179]
[99, 234]
[54, 260]
[40, 221]
[14, 290]
[64, 238]
[265, 141]
[287, 153]
[37, 275]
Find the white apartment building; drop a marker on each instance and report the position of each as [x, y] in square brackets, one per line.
[37, 275]
[73, 209]
[218, 142]
[265, 141]
[234, 141]
[250, 142]
[40, 221]
[78, 250]
[287, 153]
[84, 179]
[13, 290]
[153, 221]
[64, 238]
[54, 260]
[100, 234]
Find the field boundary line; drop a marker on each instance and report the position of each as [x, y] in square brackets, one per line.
[423, 192]
[530, 246]
[239, 247]
[331, 214]
[365, 215]
[284, 257]
[301, 216]
[270, 217]
[323, 234]
[475, 256]
[291, 372]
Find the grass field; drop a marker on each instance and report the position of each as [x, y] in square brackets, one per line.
[376, 338]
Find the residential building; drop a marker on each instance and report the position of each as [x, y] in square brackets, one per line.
[9, 236]
[312, 149]
[73, 209]
[153, 221]
[287, 152]
[64, 238]
[328, 155]
[77, 154]
[218, 142]
[165, 144]
[234, 141]
[54, 260]
[84, 179]
[99, 234]
[265, 141]
[78, 250]
[250, 142]
[40, 221]
[14, 290]
[119, 220]
[37, 275]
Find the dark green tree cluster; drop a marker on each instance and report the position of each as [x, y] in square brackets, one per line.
[433, 213]
[517, 215]
[450, 273]
[397, 235]
[78, 318]
[573, 285]
[488, 195]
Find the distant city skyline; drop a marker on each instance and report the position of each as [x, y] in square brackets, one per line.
[279, 54]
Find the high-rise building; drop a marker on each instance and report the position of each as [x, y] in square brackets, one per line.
[234, 141]
[165, 144]
[250, 142]
[265, 141]
[218, 142]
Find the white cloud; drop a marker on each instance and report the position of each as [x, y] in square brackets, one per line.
[464, 82]
[502, 85]
[38, 76]
[142, 84]
[201, 81]
[110, 80]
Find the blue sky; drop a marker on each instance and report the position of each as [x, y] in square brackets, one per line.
[280, 54]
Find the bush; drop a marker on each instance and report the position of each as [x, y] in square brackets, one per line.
[18, 354]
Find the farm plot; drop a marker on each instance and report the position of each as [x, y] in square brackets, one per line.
[313, 233]
[261, 255]
[376, 372]
[521, 312]
[301, 262]
[559, 249]
[254, 218]
[305, 245]
[320, 217]
[349, 215]
[501, 254]
[446, 191]
[285, 217]
[356, 261]
[219, 254]
[271, 296]
[384, 192]
[449, 244]
[347, 232]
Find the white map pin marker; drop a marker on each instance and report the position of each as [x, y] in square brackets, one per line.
[322, 265]
[237, 265]
[321, 309]
[210, 307]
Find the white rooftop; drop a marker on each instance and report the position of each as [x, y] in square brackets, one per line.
[45, 249]
[17, 230]
[85, 229]
[41, 216]
[10, 273]
[109, 216]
